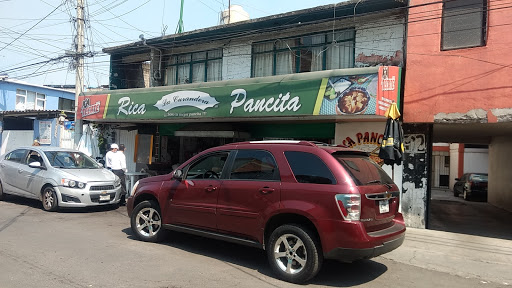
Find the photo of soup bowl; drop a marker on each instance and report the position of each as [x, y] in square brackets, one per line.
[353, 101]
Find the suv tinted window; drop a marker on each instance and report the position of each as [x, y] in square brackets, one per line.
[308, 168]
[208, 167]
[363, 170]
[15, 156]
[254, 165]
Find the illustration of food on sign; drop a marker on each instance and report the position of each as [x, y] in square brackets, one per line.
[353, 101]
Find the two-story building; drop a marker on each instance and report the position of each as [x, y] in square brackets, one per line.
[31, 112]
[457, 91]
[324, 74]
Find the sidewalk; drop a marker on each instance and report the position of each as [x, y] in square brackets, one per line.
[488, 259]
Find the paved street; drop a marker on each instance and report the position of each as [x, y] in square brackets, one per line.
[454, 214]
[95, 248]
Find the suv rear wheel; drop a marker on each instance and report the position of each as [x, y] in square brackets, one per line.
[146, 221]
[294, 253]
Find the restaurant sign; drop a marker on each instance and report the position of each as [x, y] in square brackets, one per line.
[363, 94]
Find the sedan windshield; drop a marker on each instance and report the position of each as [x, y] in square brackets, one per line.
[71, 160]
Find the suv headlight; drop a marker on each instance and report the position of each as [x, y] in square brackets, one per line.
[134, 187]
[72, 183]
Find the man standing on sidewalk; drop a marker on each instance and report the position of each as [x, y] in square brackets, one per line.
[116, 161]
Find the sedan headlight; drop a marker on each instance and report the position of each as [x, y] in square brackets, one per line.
[72, 183]
[117, 183]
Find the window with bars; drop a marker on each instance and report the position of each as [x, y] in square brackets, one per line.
[322, 51]
[464, 24]
[29, 100]
[205, 66]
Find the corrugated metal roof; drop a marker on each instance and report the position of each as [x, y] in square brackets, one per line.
[15, 81]
[37, 113]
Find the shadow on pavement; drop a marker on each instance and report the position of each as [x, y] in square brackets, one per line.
[453, 214]
[18, 200]
[332, 273]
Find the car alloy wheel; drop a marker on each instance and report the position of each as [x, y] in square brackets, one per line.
[293, 253]
[49, 199]
[146, 221]
[290, 254]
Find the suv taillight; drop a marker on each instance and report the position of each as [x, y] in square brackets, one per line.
[350, 206]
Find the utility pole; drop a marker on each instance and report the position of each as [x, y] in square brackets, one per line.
[79, 83]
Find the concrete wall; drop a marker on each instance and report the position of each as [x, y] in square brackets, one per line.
[454, 163]
[461, 85]
[416, 174]
[500, 172]
[476, 160]
[380, 42]
[8, 95]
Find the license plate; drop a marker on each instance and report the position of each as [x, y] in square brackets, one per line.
[104, 197]
[383, 206]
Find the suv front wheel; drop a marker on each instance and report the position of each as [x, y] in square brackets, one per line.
[294, 253]
[146, 221]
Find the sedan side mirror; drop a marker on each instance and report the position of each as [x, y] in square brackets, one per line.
[178, 174]
[457, 179]
[35, 165]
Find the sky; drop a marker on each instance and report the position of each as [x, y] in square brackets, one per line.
[36, 36]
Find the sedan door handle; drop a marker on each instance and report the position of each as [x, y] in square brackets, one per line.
[20, 171]
[210, 188]
[266, 190]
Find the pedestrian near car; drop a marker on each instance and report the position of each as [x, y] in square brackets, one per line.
[116, 161]
[109, 157]
[122, 158]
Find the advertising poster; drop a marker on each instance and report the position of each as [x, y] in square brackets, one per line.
[45, 132]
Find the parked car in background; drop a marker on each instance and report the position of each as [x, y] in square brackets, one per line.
[299, 201]
[471, 185]
[57, 177]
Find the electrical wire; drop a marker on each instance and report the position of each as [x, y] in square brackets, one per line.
[32, 26]
[428, 19]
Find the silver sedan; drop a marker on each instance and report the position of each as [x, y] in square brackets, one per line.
[58, 177]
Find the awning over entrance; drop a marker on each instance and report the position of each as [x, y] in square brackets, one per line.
[344, 93]
[216, 130]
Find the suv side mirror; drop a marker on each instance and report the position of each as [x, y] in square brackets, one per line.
[178, 174]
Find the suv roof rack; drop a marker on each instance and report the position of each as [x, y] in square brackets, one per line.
[292, 142]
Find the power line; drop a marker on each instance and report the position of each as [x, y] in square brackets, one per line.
[385, 26]
[32, 26]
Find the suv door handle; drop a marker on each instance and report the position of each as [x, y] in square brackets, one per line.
[210, 188]
[266, 190]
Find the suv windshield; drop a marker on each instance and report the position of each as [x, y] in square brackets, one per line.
[363, 170]
[71, 160]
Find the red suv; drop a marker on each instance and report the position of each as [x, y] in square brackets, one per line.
[300, 201]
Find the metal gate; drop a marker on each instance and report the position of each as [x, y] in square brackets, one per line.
[66, 138]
